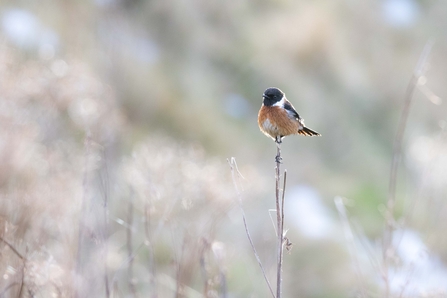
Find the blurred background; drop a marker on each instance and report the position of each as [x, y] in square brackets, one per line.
[117, 118]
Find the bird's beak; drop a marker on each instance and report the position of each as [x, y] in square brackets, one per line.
[263, 96]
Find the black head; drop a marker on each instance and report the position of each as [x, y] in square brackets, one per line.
[272, 96]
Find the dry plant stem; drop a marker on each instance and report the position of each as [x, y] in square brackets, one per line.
[234, 170]
[22, 279]
[12, 248]
[22, 282]
[280, 220]
[397, 150]
[282, 202]
[282, 216]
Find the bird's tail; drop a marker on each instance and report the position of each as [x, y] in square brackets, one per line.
[308, 132]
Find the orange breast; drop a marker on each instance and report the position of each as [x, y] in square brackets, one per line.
[274, 121]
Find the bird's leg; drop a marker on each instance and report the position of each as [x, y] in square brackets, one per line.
[278, 142]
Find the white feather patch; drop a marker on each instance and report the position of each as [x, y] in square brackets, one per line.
[280, 103]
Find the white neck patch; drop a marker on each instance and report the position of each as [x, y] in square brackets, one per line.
[280, 103]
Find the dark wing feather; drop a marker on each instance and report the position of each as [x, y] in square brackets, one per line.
[304, 130]
[289, 108]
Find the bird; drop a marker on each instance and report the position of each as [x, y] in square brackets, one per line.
[278, 118]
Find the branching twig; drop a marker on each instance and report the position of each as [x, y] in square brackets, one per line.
[12, 248]
[23, 258]
[279, 219]
[234, 169]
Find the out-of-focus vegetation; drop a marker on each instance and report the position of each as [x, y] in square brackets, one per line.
[117, 117]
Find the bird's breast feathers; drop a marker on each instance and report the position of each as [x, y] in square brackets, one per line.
[276, 121]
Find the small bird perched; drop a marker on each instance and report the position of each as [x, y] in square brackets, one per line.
[277, 117]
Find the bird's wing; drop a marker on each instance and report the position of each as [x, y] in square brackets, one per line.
[291, 110]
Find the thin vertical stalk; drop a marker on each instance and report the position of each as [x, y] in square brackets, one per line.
[282, 215]
[280, 219]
